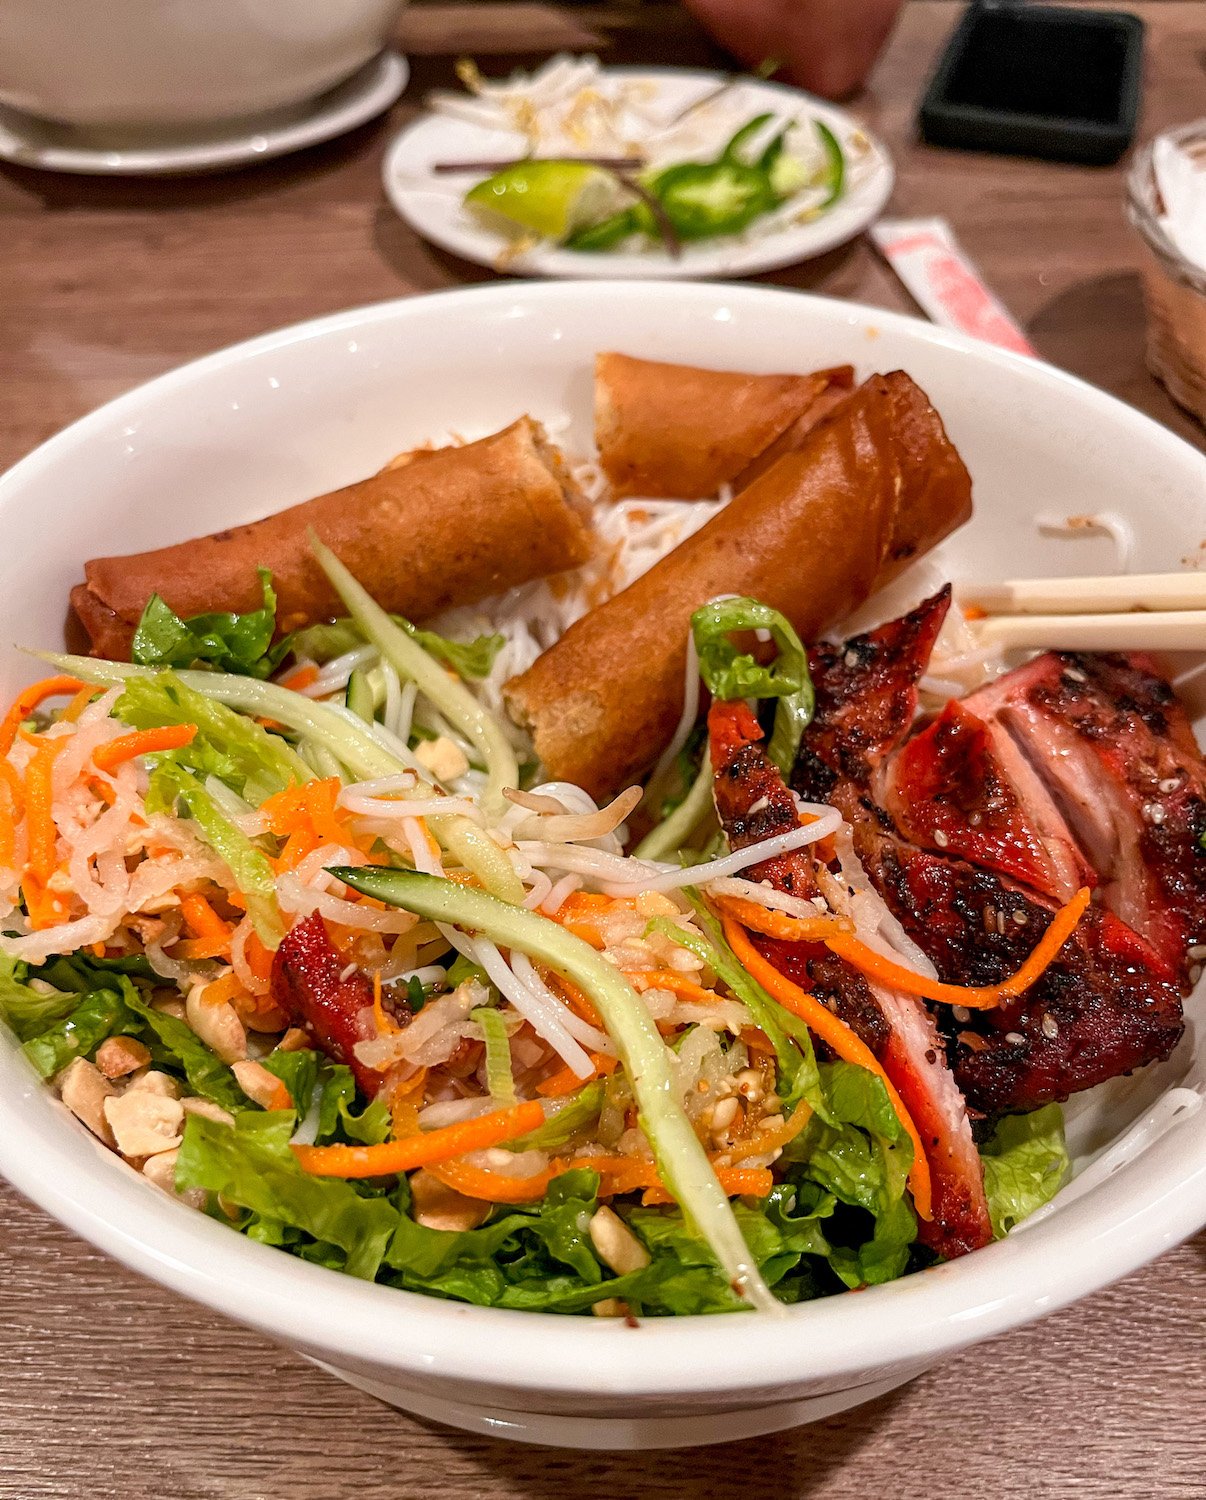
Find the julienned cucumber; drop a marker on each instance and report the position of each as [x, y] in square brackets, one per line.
[681, 1159]
[359, 696]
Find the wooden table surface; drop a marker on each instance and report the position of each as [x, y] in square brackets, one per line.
[110, 1387]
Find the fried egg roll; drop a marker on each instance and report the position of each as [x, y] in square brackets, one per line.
[461, 524]
[678, 432]
[874, 487]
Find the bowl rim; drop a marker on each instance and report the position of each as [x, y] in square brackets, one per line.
[1157, 1199]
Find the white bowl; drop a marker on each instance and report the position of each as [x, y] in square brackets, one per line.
[297, 412]
[150, 64]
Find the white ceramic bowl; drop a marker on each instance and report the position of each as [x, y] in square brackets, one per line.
[297, 412]
[155, 64]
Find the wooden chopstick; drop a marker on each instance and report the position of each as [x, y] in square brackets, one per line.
[1134, 630]
[1089, 596]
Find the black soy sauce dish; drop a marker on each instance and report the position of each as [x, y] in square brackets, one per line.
[1033, 80]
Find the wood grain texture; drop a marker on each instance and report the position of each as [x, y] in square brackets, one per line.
[110, 1387]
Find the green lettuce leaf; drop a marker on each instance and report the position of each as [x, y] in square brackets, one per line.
[323, 642]
[1025, 1165]
[563, 1123]
[102, 1014]
[250, 1163]
[172, 783]
[228, 642]
[729, 673]
[338, 1118]
[229, 746]
[862, 1158]
[500, 1079]
[299, 1072]
[181, 1048]
[28, 1011]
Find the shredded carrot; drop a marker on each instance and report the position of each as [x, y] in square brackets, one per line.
[422, 1150]
[577, 1000]
[44, 907]
[494, 1187]
[583, 914]
[779, 924]
[11, 778]
[976, 997]
[206, 923]
[737, 1182]
[310, 809]
[259, 960]
[143, 742]
[386, 1024]
[28, 700]
[11, 799]
[221, 990]
[821, 1020]
[78, 704]
[301, 678]
[39, 810]
[566, 1081]
[767, 1141]
[670, 979]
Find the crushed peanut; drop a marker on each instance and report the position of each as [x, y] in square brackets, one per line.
[84, 1089]
[118, 1055]
[616, 1244]
[144, 1124]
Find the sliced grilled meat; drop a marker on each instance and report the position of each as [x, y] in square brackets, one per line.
[1107, 735]
[752, 799]
[902, 1034]
[963, 785]
[750, 794]
[866, 691]
[1107, 1005]
[336, 1013]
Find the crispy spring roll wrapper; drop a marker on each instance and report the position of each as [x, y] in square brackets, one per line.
[877, 485]
[677, 432]
[449, 527]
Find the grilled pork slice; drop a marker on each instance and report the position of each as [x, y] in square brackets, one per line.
[963, 785]
[336, 1013]
[752, 799]
[897, 1028]
[902, 1034]
[866, 691]
[1107, 1005]
[1108, 737]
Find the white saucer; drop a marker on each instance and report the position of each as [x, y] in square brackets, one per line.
[63, 148]
[431, 203]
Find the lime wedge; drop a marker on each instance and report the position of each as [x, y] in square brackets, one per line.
[549, 198]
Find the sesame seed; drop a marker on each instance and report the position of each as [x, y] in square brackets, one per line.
[1169, 784]
[1074, 674]
[1020, 917]
[940, 838]
[850, 659]
[1050, 1026]
[961, 1014]
[1014, 1038]
[974, 819]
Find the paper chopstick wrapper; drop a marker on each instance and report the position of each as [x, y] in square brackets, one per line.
[944, 283]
